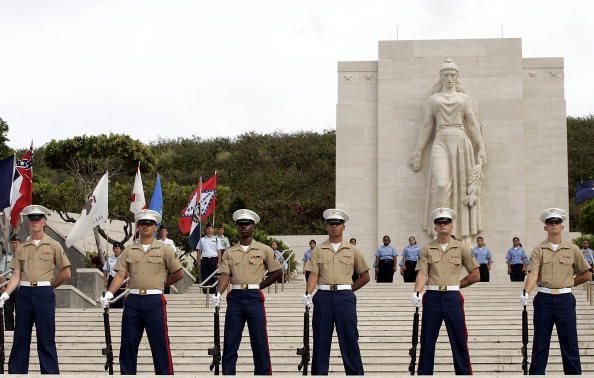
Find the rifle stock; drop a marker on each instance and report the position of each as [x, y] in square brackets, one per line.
[304, 351]
[215, 351]
[108, 350]
[412, 352]
[525, 339]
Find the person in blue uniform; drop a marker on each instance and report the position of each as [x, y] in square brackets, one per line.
[588, 253]
[151, 265]
[110, 273]
[440, 265]
[33, 269]
[483, 256]
[517, 261]
[555, 267]
[244, 266]
[408, 263]
[385, 261]
[307, 256]
[332, 265]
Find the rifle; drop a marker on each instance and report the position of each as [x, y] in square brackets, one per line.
[215, 351]
[304, 351]
[412, 352]
[2, 355]
[108, 350]
[525, 339]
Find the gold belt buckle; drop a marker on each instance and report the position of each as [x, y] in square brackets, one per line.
[142, 291]
[333, 287]
[244, 286]
[443, 288]
[555, 291]
[34, 284]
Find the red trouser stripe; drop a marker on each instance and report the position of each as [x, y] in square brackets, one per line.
[465, 332]
[166, 331]
[266, 331]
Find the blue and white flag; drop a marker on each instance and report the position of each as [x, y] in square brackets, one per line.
[584, 191]
[157, 197]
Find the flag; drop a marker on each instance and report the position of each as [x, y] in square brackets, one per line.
[208, 199]
[22, 187]
[7, 167]
[93, 213]
[584, 191]
[137, 201]
[207, 204]
[195, 230]
[157, 197]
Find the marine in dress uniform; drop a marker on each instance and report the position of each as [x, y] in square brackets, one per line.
[555, 267]
[408, 264]
[331, 268]
[484, 258]
[439, 266]
[517, 261]
[244, 265]
[151, 265]
[385, 261]
[33, 269]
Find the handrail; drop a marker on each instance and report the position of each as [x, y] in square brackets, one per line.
[125, 281]
[288, 262]
[203, 285]
[6, 273]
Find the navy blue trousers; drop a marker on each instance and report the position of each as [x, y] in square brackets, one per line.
[145, 312]
[35, 305]
[558, 310]
[448, 306]
[242, 306]
[335, 308]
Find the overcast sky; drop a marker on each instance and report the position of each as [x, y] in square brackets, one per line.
[173, 68]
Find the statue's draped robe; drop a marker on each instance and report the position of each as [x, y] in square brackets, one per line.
[452, 165]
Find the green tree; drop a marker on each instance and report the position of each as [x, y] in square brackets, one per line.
[4, 149]
[580, 130]
[74, 166]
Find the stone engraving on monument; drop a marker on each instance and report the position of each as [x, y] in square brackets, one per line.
[455, 172]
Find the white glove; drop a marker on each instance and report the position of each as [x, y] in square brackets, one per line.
[524, 299]
[108, 296]
[415, 299]
[3, 298]
[215, 299]
[306, 299]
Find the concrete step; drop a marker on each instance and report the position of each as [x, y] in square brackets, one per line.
[493, 317]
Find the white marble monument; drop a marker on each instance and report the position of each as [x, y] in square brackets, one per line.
[394, 160]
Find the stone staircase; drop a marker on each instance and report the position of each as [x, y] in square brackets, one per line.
[493, 317]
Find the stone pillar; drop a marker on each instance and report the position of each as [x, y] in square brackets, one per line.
[90, 281]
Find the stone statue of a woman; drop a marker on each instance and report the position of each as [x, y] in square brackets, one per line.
[455, 171]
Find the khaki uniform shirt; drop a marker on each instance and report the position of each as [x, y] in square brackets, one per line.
[248, 267]
[556, 269]
[148, 270]
[37, 263]
[336, 268]
[444, 268]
